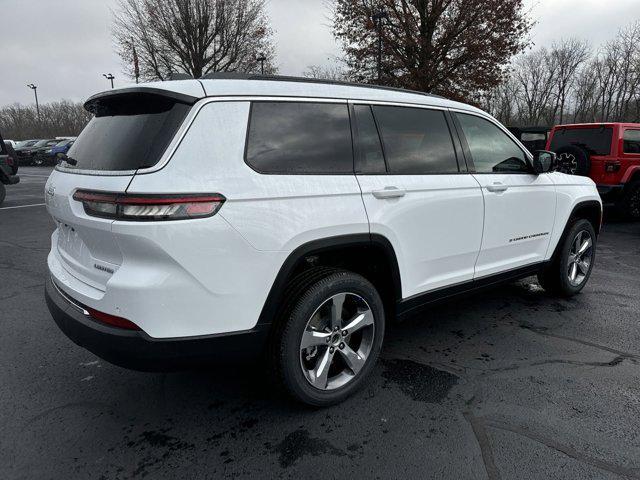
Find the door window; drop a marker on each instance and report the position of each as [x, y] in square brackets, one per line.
[491, 149]
[631, 141]
[370, 157]
[416, 140]
[299, 138]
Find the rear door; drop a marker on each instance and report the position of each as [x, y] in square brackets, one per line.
[128, 132]
[520, 206]
[416, 195]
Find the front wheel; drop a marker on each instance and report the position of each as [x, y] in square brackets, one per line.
[331, 339]
[571, 268]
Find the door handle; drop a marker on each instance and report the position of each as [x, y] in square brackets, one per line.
[497, 187]
[389, 192]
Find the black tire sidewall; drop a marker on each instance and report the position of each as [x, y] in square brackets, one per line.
[289, 353]
[632, 195]
[562, 265]
[3, 193]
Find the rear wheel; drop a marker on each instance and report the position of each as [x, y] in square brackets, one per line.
[3, 193]
[331, 338]
[571, 268]
[631, 201]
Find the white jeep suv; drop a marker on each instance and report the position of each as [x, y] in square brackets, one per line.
[232, 217]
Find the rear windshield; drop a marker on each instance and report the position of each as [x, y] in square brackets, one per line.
[596, 140]
[127, 132]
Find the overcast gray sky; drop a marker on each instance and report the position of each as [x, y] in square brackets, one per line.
[64, 46]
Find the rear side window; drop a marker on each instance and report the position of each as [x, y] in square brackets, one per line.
[299, 138]
[370, 158]
[596, 140]
[631, 141]
[416, 140]
[491, 149]
[127, 132]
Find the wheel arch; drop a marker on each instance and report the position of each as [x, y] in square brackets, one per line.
[343, 251]
[590, 210]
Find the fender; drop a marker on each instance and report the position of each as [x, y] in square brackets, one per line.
[630, 173]
[298, 256]
[589, 206]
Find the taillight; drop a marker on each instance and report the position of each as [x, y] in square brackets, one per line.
[612, 167]
[112, 319]
[10, 161]
[148, 207]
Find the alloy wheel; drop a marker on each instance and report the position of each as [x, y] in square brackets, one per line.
[580, 257]
[337, 341]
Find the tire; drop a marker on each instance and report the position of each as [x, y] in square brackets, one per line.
[568, 274]
[573, 160]
[309, 316]
[3, 193]
[631, 201]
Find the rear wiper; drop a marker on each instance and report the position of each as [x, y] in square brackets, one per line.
[67, 159]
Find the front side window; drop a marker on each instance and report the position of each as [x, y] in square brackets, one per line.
[299, 138]
[491, 149]
[631, 141]
[416, 140]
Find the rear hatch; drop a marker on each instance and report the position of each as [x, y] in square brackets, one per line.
[129, 131]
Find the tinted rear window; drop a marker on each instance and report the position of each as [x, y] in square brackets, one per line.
[596, 140]
[416, 140]
[299, 137]
[127, 132]
[631, 141]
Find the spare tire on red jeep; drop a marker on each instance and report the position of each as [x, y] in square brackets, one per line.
[573, 160]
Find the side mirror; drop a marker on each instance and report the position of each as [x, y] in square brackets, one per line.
[544, 161]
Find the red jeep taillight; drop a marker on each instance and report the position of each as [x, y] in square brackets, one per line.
[612, 166]
[10, 161]
[148, 206]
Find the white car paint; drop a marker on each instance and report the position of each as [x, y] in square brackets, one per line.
[212, 275]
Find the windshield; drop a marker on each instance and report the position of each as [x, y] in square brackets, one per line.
[596, 140]
[128, 132]
[25, 143]
[41, 143]
[62, 143]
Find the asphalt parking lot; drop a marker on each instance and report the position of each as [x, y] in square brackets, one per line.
[507, 384]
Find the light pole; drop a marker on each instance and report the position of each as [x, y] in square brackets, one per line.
[35, 92]
[377, 20]
[108, 76]
[261, 58]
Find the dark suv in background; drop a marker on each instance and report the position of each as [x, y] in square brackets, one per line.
[609, 153]
[7, 176]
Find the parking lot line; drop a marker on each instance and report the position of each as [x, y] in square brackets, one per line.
[23, 206]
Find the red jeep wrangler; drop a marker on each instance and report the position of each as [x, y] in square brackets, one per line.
[609, 153]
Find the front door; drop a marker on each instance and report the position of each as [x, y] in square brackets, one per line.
[519, 205]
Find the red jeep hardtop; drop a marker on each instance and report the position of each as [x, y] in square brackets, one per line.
[609, 153]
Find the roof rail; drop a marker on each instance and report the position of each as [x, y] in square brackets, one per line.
[286, 78]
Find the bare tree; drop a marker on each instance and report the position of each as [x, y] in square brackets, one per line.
[195, 37]
[534, 74]
[567, 58]
[451, 47]
[326, 72]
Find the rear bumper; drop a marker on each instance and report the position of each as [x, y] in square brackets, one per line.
[136, 350]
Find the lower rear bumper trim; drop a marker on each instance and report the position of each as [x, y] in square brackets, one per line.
[137, 351]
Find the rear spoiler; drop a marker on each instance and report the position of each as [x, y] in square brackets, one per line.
[94, 101]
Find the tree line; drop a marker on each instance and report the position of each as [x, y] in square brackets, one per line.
[477, 51]
[56, 119]
[571, 82]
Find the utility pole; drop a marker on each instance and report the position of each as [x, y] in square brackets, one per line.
[35, 92]
[377, 20]
[110, 77]
[261, 58]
